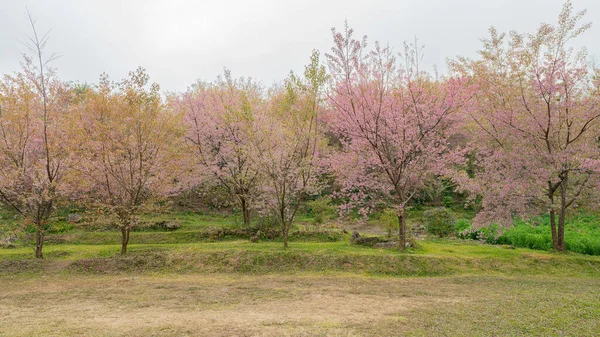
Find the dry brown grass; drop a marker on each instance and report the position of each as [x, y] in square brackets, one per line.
[296, 305]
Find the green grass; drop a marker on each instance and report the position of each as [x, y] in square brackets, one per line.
[434, 258]
[582, 234]
[194, 221]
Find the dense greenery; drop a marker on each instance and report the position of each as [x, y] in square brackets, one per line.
[582, 233]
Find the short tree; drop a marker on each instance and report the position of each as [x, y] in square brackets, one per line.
[219, 118]
[288, 143]
[128, 147]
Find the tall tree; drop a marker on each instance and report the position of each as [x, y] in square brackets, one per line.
[288, 143]
[34, 108]
[220, 117]
[128, 147]
[537, 117]
[394, 121]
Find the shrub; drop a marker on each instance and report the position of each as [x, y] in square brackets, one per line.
[388, 220]
[60, 227]
[439, 221]
[267, 222]
[448, 201]
[320, 209]
[462, 225]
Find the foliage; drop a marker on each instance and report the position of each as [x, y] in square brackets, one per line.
[320, 209]
[516, 129]
[219, 119]
[582, 234]
[393, 122]
[448, 201]
[127, 151]
[35, 115]
[462, 225]
[536, 116]
[289, 143]
[388, 220]
[440, 222]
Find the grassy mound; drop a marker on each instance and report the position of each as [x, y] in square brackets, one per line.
[435, 258]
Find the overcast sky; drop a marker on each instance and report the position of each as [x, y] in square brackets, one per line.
[181, 41]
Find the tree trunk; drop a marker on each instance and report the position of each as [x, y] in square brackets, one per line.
[245, 211]
[285, 236]
[560, 235]
[125, 230]
[39, 242]
[401, 228]
[551, 190]
[553, 228]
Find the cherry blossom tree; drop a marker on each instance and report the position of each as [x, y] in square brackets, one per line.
[393, 120]
[34, 115]
[220, 119]
[288, 143]
[128, 147]
[536, 118]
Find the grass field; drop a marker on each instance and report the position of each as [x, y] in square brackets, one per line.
[182, 283]
[303, 304]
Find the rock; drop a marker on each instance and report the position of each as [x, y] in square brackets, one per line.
[389, 244]
[9, 241]
[171, 225]
[74, 218]
[367, 241]
[214, 233]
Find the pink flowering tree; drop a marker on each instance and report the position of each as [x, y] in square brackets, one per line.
[288, 142]
[393, 121]
[219, 117]
[536, 122]
[128, 148]
[34, 115]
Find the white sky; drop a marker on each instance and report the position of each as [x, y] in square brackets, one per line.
[181, 41]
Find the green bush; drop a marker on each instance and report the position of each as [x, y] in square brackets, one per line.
[60, 227]
[462, 225]
[320, 209]
[448, 201]
[582, 234]
[267, 222]
[388, 220]
[440, 222]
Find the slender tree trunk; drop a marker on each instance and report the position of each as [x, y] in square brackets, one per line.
[285, 235]
[553, 228]
[551, 191]
[560, 237]
[401, 228]
[125, 230]
[39, 242]
[245, 211]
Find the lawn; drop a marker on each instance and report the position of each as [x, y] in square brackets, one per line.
[303, 304]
